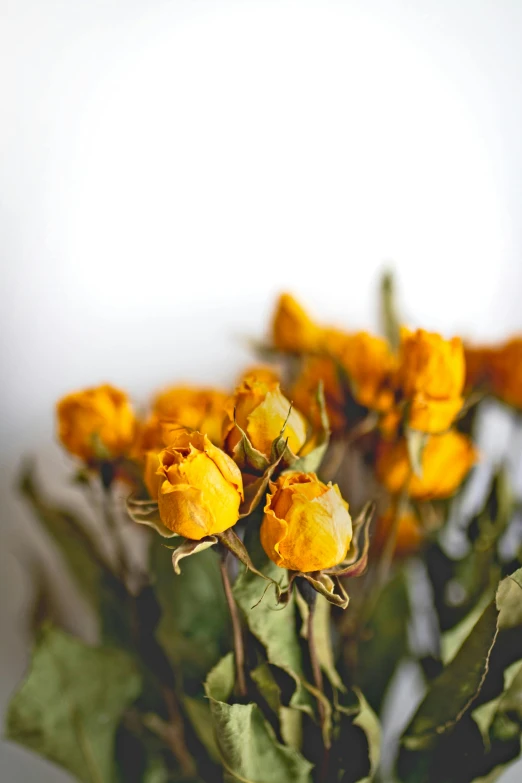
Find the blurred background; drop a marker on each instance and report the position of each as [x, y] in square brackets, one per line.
[167, 167]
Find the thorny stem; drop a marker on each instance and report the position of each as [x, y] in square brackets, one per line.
[239, 650]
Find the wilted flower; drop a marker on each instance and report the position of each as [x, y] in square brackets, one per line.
[201, 487]
[307, 526]
[197, 408]
[446, 461]
[261, 410]
[96, 423]
[292, 328]
[431, 376]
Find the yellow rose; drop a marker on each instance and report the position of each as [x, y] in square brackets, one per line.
[293, 329]
[94, 419]
[431, 375]
[410, 535]
[446, 461]
[262, 373]
[306, 526]
[304, 391]
[201, 487]
[370, 365]
[261, 410]
[199, 409]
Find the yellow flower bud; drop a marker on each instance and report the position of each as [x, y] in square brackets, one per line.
[307, 526]
[196, 408]
[293, 329]
[94, 419]
[201, 487]
[446, 461]
[261, 411]
[431, 375]
[370, 365]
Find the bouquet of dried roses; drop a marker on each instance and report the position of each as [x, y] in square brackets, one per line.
[304, 536]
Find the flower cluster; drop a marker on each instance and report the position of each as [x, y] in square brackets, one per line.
[308, 486]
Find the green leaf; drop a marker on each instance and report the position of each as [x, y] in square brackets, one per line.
[200, 717]
[386, 642]
[357, 747]
[194, 624]
[188, 548]
[455, 689]
[501, 718]
[68, 708]
[248, 747]
[78, 549]
[274, 626]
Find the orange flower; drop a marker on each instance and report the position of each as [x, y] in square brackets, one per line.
[431, 375]
[261, 411]
[201, 487]
[410, 535]
[446, 461]
[193, 407]
[96, 420]
[307, 526]
[292, 328]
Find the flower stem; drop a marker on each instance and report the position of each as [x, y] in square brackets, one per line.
[310, 596]
[115, 532]
[239, 650]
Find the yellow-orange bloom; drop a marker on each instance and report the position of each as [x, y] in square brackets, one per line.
[292, 328]
[197, 408]
[261, 411]
[410, 535]
[431, 375]
[260, 373]
[370, 365]
[201, 487]
[446, 461]
[304, 391]
[307, 526]
[95, 419]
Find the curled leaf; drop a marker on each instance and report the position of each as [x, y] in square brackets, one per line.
[189, 548]
[145, 512]
[245, 455]
[355, 567]
[255, 491]
[233, 543]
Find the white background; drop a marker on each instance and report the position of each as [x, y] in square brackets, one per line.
[167, 167]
